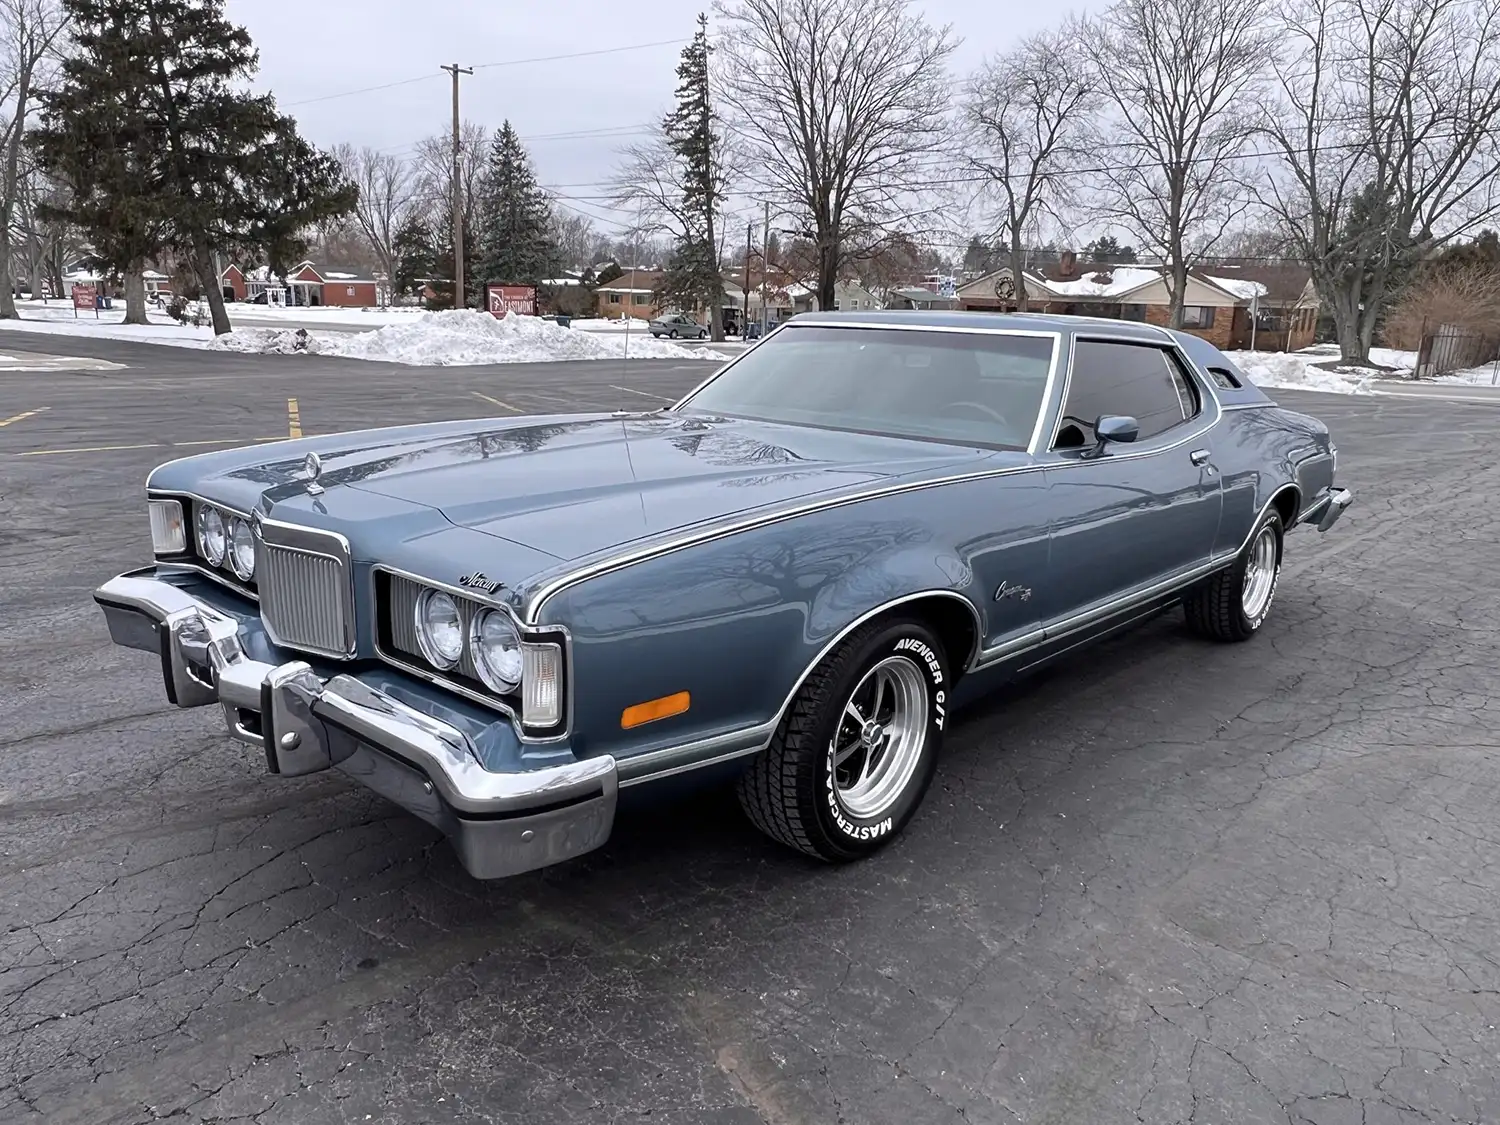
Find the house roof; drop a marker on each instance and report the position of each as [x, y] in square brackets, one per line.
[1280, 283]
[632, 281]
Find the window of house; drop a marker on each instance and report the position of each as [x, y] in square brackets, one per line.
[641, 299]
[614, 298]
[1137, 380]
[1197, 316]
[1133, 312]
[838, 306]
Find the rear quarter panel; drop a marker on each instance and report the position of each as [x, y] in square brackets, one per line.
[1259, 452]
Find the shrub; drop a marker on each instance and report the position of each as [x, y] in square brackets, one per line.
[1465, 297]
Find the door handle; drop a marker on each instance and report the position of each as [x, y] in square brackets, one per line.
[1200, 456]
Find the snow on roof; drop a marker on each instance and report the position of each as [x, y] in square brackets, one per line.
[1120, 280]
[561, 281]
[341, 276]
[1241, 287]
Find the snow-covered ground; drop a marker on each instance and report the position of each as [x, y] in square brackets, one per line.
[393, 335]
[1485, 375]
[1300, 371]
[460, 339]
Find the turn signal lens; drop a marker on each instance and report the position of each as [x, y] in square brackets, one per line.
[649, 712]
[168, 529]
[541, 684]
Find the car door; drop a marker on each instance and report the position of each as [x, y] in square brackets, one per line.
[1129, 516]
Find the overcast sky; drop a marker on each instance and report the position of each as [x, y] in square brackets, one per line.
[312, 49]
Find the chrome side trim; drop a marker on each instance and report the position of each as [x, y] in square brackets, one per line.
[1034, 442]
[1248, 405]
[555, 633]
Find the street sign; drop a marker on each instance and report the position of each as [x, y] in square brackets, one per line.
[85, 297]
[520, 299]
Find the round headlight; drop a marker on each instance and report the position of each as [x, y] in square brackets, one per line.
[212, 540]
[241, 550]
[439, 628]
[495, 647]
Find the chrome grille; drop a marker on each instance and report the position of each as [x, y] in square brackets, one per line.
[402, 606]
[306, 601]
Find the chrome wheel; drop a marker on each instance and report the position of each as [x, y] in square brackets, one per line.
[880, 735]
[1260, 574]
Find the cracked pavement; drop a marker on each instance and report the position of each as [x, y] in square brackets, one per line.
[1166, 882]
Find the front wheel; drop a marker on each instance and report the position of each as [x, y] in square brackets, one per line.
[1234, 603]
[856, 750]
[673, 333]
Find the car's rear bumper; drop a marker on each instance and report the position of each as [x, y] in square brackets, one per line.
[1327, 509]
[500, 823]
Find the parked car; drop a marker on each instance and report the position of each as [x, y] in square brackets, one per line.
[795, 573]
[678, 324]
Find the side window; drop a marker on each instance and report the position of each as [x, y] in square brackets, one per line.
[1137, 380]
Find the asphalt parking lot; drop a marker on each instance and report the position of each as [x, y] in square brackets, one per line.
[1168, 882]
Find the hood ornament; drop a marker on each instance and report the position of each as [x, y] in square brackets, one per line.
[313, 466]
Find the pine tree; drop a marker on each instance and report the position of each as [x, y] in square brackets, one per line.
[515, 241]
[692, 276]
[152, 130]
[415, 257]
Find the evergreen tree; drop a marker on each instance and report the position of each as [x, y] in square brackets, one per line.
[692, 276]
[1106, 250]
[415, 257]
[515, 240]
[162, 147]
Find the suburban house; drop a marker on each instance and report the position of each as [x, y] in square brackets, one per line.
[1217, 308]
[629, 295]
[304, 285]
[920, 297]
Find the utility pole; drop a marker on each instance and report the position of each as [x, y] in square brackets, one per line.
[745, 302]
[458, 193]
[765, 264]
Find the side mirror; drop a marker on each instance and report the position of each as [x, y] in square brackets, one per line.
[1116, 427]
[1113, 427]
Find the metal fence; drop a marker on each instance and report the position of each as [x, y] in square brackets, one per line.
[1450, 348]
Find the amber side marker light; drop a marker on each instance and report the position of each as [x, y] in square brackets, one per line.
[650, 711]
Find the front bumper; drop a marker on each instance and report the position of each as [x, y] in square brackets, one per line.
[499, 823]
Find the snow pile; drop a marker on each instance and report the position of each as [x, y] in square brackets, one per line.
[1485, 375]
[1297, 371]
[461, 338]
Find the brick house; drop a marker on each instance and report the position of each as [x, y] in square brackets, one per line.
[629, 295]
[1215, 308]
[305, 285]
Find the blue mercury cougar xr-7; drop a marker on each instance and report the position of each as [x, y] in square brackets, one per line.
[800, 568]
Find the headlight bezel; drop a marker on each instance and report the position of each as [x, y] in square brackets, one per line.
[236, 525]
[204, 514]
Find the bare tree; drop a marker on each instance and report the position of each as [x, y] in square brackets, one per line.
[840, 105]
[1180, 78]
[1025, 130]
[1385, 117]
[433, 164]
[30, 30]
[388, 190]
[575, 236]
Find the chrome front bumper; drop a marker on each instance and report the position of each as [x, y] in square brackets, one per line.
[499, 823]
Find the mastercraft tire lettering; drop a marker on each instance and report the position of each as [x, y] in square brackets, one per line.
[857, 748]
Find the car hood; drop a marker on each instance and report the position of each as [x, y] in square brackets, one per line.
[573, 486]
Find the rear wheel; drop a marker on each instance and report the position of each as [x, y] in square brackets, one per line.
[857, 748]
[1234, 603]
[673, 333]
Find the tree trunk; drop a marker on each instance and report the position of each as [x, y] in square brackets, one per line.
[1179, 292]
[135, 294]
[827, 279]
[1017, 269]
[203, 265]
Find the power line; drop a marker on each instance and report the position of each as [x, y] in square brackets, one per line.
[487, 66]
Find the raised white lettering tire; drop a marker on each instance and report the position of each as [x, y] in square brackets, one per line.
[1233, 604]
[857, 748]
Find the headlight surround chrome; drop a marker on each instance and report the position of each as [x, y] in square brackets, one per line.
[495, 649]
[213, 536]
[440, 630]
[241, 549]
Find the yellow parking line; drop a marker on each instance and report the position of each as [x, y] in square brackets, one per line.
[89, 449]
[497, 402]
[293, 418]
[27, 414]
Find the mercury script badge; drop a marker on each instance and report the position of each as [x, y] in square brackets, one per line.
[314, 468]
[479, 581]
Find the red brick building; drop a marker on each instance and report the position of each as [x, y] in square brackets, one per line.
[305, 285]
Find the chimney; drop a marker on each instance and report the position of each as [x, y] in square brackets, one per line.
[1068, 266]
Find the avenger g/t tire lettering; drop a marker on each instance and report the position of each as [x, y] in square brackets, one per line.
[856, 750]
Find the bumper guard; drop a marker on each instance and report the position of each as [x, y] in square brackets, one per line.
[499, 823]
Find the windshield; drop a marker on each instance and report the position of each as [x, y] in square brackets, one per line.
[967, 388]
